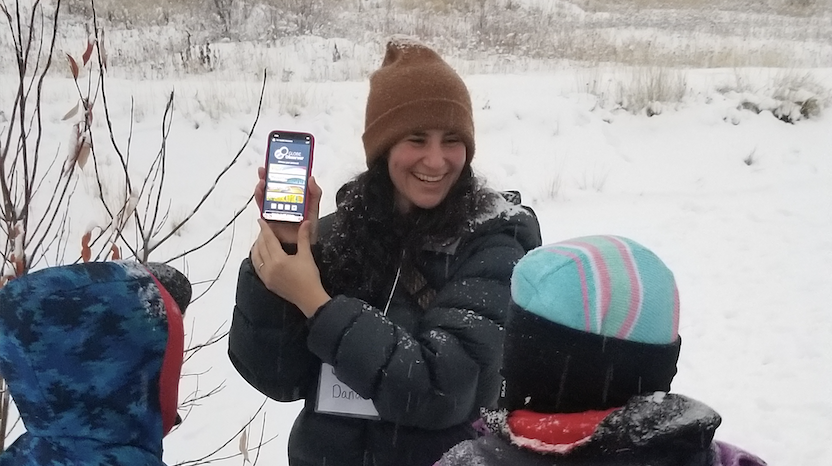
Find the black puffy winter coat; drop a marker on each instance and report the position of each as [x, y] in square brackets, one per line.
[428, 371]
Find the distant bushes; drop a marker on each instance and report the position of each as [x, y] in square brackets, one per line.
[551, 29]
[788, 95]
[791, 97]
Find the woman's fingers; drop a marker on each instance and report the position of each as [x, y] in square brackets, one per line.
[260, 187]
[259, 194]
[315, 193]
[314, 207]
[305, 237]
[269, 241]
[256, 257]
[266, 250]
[257, 260]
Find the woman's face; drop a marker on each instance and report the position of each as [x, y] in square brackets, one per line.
[424, 166]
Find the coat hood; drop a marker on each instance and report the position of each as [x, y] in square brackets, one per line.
[92, 355]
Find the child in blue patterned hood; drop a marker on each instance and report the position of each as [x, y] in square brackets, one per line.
[591, 349]
[92, 355]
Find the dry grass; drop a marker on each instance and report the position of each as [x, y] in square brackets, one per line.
[636, 90]
[155, 38]
[783, 7]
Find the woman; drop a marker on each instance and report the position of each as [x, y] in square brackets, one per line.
[399, 297]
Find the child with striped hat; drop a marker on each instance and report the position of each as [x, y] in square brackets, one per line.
[590, 352]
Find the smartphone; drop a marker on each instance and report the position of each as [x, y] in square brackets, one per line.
[288, 166]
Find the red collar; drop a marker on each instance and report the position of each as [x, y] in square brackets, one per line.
[172, 360]
[553, 432]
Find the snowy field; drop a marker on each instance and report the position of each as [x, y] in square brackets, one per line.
[735, 200]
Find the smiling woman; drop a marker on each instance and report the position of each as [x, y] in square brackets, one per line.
[389, 325]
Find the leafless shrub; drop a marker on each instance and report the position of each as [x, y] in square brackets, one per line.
[28, 230]
[232, 15]
[298, 17]
[37, 188]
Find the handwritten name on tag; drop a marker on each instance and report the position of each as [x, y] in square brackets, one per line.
[335, 397]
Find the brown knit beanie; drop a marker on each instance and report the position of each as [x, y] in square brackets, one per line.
[415, 90]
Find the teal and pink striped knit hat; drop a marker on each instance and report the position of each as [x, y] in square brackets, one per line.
[607, 285]
[595, 320]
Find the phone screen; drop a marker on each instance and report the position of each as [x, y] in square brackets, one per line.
[289, 160]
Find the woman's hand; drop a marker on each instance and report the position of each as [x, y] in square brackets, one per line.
[296, 277]
[288, 232]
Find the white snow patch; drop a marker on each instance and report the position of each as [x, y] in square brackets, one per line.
[657, 397]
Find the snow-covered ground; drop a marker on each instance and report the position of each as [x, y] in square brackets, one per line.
[738, 203]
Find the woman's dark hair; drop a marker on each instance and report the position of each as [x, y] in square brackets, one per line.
[372, 238]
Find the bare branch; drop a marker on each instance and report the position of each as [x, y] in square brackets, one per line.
[102, 88]
[46, 172]
[224, 170]
[190, 408]
[217, 233]
[167, 118]
[222, 267]
[5, 399]
[215, 338]
[60, 236]
[114, 222]
[260, 443]
[155, 172]
[130, 129]
[209, 458]
[17, 420]
[23, 61]
[39, 96]
[54, 213]
[14, 212]
[193, 399]
[163, 221]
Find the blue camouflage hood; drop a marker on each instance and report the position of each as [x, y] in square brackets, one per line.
[82, 349]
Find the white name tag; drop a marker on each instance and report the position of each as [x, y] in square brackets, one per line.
[335, 397]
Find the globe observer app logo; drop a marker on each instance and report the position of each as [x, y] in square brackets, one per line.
[290, 154]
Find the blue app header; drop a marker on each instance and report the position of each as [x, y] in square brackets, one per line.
[289, 153]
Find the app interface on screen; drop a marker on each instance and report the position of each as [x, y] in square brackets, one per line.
[286, 178]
